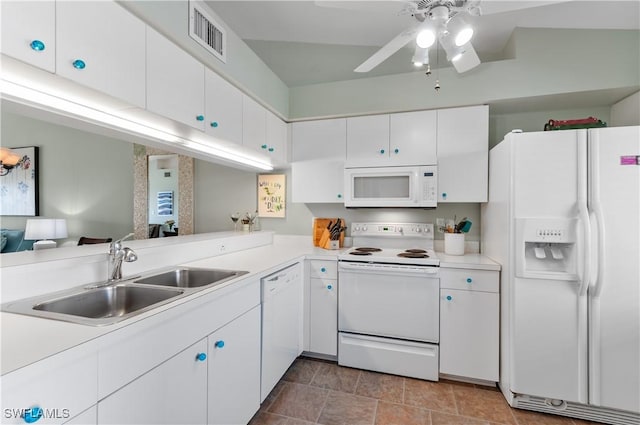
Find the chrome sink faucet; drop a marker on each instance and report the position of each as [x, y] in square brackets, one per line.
[118, 254]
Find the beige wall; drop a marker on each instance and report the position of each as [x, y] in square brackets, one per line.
[627, 111]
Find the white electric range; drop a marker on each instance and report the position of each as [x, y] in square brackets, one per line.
[389, 300]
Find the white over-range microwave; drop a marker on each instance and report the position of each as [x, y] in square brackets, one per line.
[413, 187]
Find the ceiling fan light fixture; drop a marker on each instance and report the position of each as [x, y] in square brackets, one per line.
[461, 30]
[464, 36]
[420, 56]
[426, 38]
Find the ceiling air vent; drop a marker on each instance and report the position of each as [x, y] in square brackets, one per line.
[206, 31]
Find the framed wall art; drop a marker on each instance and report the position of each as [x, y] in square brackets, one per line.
[271, 195]
[19, 181]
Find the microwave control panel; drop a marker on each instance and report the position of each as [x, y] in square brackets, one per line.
[429, 183]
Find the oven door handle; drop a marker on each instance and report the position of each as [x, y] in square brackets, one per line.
[387, 269]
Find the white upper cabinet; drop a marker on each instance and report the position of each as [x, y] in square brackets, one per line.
[463, 154]
[276, 139]
[254, 123]
[102, 46]
[412, 139]
[392, 140]
[322, 139]
[29, 32]
[223, 106]
[319, 181]
[175, 82]
[368, 140]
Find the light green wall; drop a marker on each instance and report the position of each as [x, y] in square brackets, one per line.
[83, 177]
[547, 62]
[243, 67]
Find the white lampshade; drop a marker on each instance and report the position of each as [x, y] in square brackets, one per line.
[43, 230]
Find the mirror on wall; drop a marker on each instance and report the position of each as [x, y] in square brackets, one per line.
[163, 193]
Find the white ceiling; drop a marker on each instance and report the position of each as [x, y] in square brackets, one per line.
[305, 43]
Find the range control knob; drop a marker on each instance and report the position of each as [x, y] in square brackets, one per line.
[399, 229]
[418, 230]
[357, 228]
[364, 228]
[427, 230]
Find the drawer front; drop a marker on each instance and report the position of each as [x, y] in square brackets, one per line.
[324, 269]
[399, 357]
[136, 349]
[470, 280]
[63, 386]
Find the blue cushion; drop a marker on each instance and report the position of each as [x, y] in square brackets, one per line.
[15, 241]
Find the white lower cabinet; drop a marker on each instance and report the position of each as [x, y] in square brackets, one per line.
[469, 325]
[323, 316]
[174, 392]
[56, 389]
[234, 370]
[323, 307]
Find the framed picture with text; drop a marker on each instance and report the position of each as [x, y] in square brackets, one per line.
[271, 195]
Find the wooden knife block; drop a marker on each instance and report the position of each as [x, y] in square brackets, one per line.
[319, 235]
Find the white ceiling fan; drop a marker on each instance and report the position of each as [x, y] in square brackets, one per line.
[442, 21]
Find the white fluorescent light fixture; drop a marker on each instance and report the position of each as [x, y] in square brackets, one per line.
[57, 104]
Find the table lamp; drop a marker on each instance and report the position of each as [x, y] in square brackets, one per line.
[43, 230]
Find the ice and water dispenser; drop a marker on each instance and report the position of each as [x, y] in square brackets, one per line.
[546, 248]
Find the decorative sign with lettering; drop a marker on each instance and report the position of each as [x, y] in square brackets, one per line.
[271, 195]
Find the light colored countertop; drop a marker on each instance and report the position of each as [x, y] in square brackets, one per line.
[27, 339]
[467, 261]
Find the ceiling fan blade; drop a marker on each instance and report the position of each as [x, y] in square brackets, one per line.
[390, 6]
[387, 50]
[468, 60]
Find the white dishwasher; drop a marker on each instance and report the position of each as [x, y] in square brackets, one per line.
[281, 324]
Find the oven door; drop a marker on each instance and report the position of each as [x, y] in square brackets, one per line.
[389, 300]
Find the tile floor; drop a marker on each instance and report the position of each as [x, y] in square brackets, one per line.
[317, 391]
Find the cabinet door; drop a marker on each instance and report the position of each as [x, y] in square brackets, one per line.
[276, 143]
[368, 140]
[322, 139]
[463, 154]
[223, 106]
[317, 181]
[101, 45]
[413, 138]
[175, 82]
[175, 392]
[234, 370]
[323, 317]
[29, 32]
[469, 334]
[254, 123]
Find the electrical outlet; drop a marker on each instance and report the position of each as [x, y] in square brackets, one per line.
[440, 224]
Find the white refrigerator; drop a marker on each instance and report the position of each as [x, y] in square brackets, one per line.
[563, 220]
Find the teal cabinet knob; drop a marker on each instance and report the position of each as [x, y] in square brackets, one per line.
[444, 194]
[200, 117]
[214, 124]
[329, 287]
[32, 414]
[37, 45]
[79, 64]
[263, 146]
[469, 280]
[219, 344]
[271, 149]
[323, 269]
[339, 195]
[449, 297]
[396, 150]
[201, 357]
[381, 151]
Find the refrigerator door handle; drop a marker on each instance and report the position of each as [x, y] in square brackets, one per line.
[600, 254]
[586, 269]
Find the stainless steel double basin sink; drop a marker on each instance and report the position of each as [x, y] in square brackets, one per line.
[104, 304]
